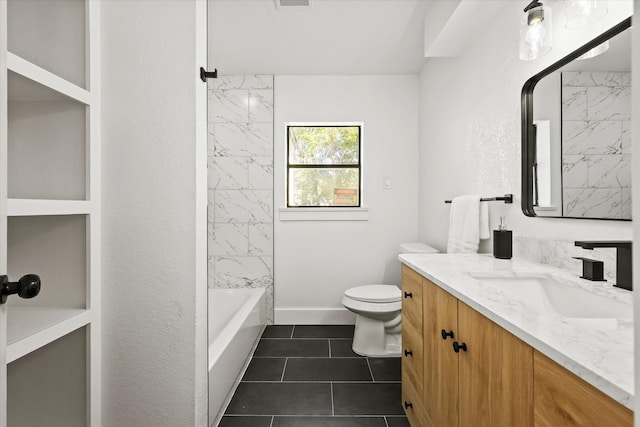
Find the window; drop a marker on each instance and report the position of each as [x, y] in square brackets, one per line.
[323, 165]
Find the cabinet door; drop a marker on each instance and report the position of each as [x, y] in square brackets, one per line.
[561, 398]
[496, 374]
[440, 312]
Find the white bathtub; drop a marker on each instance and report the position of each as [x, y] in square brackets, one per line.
[237, 318]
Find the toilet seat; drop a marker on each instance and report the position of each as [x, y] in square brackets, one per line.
[374, 294]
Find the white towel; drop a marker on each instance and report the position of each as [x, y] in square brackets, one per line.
[468, 223]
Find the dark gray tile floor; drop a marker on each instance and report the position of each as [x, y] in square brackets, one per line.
[308, 376]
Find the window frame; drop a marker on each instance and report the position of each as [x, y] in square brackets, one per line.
[290, 166]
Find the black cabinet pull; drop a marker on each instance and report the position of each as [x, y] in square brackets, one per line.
[446, 334]
[457, 347]
[27, 287]
[408, 295]
[408, 353]
[408, 405]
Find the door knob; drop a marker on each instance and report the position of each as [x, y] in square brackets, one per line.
[408, 353]
[408, 295]
[408, 405]
[27, 287]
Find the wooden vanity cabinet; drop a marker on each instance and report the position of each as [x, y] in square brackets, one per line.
[562, 398]
[495, 379]
[488, 384]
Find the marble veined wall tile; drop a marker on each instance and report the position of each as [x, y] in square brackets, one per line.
[626, 203]
[229, 106]
[211, 198]
[229, 239]
[243, 82]
[261, 106]
[261, 173]
[582, 78]
[240, 163]
[211, 139]
[574, 103]
[574, 171]
[609, 103]
[228, 173]
[253, 206]
[603, 141]
[244, 139]
[591, 137]
[261, 239]
[626, 137]
[243, 271]
[592, 202]
[560, 254]
[609, 171]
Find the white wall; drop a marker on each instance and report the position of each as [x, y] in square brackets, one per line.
[154, 188]
[316, 261]
[470, 128]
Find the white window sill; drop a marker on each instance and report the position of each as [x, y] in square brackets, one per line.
[324, 214]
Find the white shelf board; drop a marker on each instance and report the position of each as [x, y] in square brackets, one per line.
[41, 207]
[46, 78]
[29, 328]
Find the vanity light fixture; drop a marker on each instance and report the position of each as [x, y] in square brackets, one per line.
[535, 31]
[583, 13]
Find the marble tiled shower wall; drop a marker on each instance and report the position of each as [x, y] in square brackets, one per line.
[596, 144]
[240, 163]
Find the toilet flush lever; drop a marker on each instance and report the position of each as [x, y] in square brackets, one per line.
[408, 295]
[27, 287]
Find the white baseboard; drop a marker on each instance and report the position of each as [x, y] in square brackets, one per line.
[314, 316]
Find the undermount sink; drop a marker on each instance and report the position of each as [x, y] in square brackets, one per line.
[547, 293]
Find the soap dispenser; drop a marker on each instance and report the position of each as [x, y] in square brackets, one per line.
[502, 241]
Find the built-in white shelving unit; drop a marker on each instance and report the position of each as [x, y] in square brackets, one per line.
[49, 53]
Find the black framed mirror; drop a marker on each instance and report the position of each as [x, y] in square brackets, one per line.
[576, 132]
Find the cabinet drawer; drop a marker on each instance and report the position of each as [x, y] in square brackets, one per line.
[412, 359]
[562, 398]
[411, 300]
[412, 405]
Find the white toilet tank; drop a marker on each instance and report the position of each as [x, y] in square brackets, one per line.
[417, 248]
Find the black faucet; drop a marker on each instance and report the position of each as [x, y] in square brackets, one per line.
[623, 259]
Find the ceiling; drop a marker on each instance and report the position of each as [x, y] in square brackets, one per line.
[331, 37]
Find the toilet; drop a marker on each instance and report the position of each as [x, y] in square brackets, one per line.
[378, 309]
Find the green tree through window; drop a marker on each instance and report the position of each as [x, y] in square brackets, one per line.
[323, 165]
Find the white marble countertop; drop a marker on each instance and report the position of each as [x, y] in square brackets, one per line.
[598, 350]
